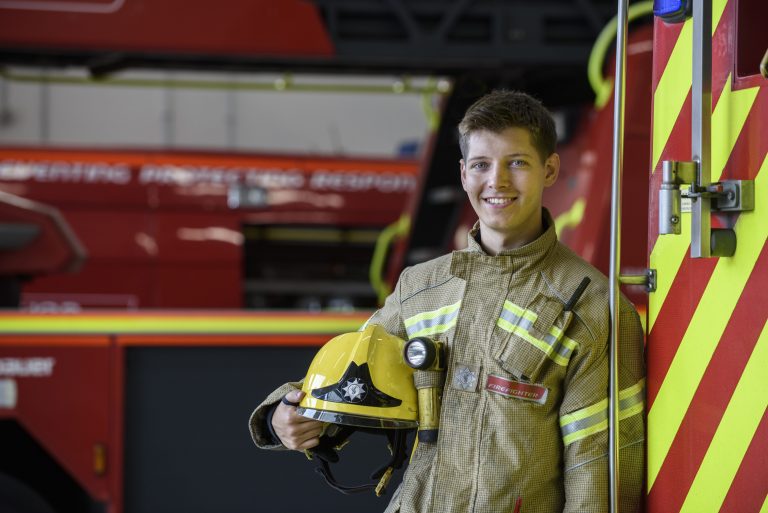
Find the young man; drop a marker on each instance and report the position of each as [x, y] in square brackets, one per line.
[524, 407]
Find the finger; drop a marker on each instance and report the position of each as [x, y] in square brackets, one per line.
[305, 430]
[308, 444]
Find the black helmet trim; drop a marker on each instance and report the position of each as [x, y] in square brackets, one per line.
[356, 387]
[355, 420]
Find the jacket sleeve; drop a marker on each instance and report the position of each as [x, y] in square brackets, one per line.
[389, 316]
[584, 421]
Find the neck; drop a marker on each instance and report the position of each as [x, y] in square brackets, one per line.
[494, 242]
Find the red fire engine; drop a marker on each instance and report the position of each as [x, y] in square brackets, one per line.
[146, 412]
[203, 230]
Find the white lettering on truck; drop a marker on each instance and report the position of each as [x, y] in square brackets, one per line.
[27, 367]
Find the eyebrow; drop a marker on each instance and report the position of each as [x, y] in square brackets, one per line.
[512, 155]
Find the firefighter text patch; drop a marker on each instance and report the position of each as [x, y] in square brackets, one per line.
[516, 389]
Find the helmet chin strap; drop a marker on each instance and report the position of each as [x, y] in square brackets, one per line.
[326, 454]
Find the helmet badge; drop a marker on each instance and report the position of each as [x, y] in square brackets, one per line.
[354, 391]
[356, 387]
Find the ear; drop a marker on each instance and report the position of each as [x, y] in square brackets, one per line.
[551, 169]
[463, 168]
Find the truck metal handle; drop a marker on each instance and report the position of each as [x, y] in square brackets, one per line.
[618, 155]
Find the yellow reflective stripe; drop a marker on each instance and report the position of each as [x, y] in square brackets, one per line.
[600, 411]
[584, 412]
[566, 341]
[705, 329]
[764, 509]
[433, 322]
[520, 312]
[639, 406]
[84, 323]
[675, 82]
[669, 250]
[734, 434]
[433, 330]
[637, 387]
[432, 314]
[548, 347]
[542, 346]
[578, 435]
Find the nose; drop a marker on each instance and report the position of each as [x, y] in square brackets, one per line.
[499, 178]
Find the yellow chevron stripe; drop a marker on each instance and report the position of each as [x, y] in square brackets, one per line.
[669, 250]
[735, 432]
[666, 257]
[705, 329]
[675, 82]
[764, 509]
[728, 118]
[673, 87]
[176, 324]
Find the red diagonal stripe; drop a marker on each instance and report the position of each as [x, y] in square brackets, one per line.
[713, 394]
[677, 147]
[722, 51]
[673, 319]
[668, 330]
[752, 145]
[664, 42]
[750, 485]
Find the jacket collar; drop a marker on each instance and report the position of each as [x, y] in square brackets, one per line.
[523, 258]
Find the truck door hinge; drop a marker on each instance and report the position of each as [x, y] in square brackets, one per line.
[647, 279]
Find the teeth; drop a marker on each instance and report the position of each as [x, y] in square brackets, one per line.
[498, 201]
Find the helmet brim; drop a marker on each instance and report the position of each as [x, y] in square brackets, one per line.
[348, 419]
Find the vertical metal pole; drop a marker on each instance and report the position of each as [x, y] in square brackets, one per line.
[701, 121]
[618, 155]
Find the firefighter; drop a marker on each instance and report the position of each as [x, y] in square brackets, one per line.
[525, 325]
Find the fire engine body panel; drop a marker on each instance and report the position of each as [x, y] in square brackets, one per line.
[152, 222]
[141, 412]
[707, 332]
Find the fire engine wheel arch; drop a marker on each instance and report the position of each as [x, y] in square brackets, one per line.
[24, 462]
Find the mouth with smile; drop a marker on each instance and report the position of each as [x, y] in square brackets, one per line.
[496, 201]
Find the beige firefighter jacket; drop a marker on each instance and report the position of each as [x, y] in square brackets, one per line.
[524, 406]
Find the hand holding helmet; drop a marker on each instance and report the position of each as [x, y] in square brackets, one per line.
[357, 381]
[295, 431]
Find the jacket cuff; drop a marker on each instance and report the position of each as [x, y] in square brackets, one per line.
[257, 424]
[275, 439]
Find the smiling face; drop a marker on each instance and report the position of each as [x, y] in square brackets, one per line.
[504, 177]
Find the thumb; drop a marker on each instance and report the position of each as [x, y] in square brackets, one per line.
[295, 396]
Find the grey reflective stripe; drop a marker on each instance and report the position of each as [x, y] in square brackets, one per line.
[628, 402]
[577, 425]
[527, 325]
[438, 324]
[594, 418]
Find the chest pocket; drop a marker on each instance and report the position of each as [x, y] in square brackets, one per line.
[536, 337]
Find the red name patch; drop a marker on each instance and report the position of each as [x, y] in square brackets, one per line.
[517, 389]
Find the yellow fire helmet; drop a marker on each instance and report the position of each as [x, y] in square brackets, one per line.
[359, 381]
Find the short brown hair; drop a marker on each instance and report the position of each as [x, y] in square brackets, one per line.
[502, 109]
